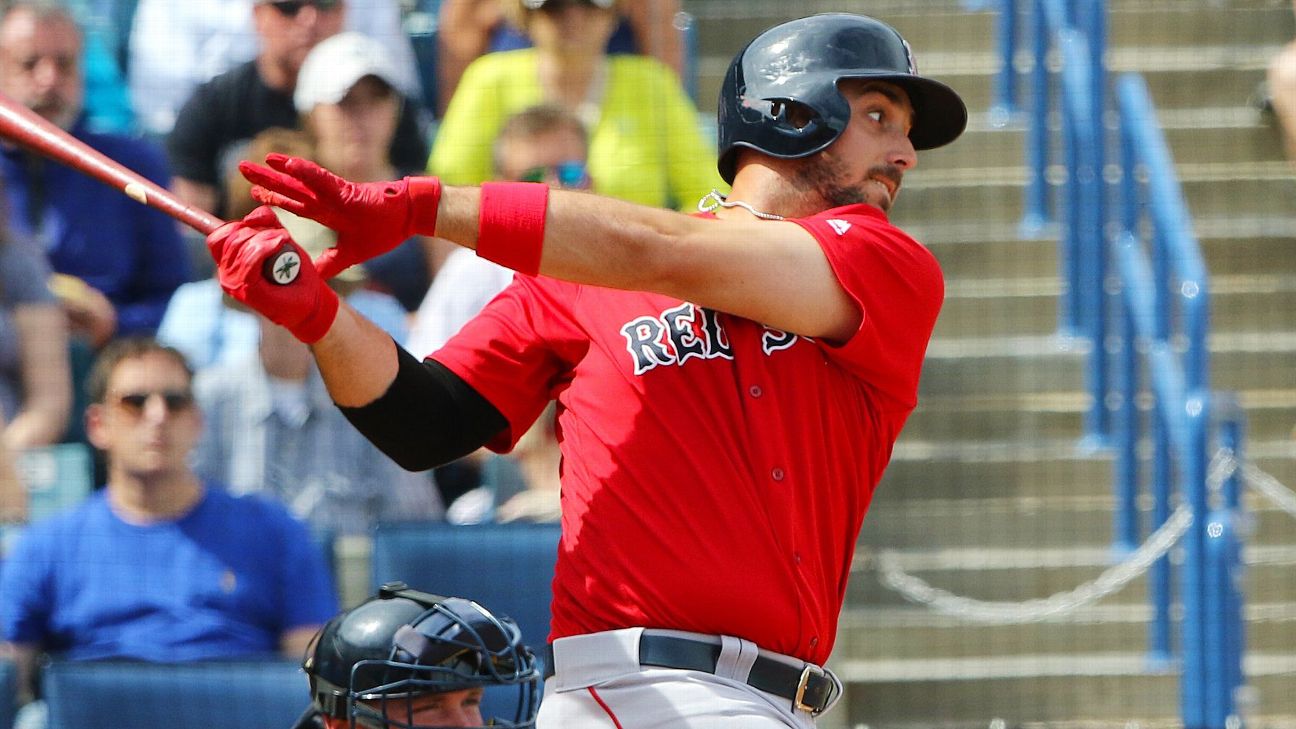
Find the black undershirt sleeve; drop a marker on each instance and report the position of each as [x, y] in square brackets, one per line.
[428, 417]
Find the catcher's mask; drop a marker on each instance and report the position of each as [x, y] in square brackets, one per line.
[369, 664]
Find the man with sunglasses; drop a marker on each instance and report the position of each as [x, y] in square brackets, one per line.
[215, 125]
[158, 565]
[176, 46]
[730, 386]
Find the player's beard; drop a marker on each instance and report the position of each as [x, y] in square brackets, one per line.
[826, 178]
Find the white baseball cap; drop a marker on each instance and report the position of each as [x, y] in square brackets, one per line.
[336, 65]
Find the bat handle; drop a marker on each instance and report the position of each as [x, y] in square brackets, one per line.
[282, 266]
[200, 221]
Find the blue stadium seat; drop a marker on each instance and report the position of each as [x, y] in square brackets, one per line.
[506, 567]
[268, 694]
[8, 688]
[57, 477]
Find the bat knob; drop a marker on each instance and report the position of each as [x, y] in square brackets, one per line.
[283, 265]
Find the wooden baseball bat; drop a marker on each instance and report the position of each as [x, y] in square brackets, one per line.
[27, 129]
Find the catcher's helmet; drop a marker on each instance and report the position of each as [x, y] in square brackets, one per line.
[801, 62]
[369, 663]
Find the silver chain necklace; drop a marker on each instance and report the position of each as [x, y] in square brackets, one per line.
[714, 199]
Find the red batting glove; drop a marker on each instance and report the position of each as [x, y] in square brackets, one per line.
[259, 264]
[370, 218]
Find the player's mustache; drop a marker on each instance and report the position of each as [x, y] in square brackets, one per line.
[888, 172]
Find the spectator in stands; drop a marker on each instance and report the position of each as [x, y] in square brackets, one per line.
[543, 143]
[467, 29]
[350, 106]
[159, 565]
[646, 144]
[13, 494]
[272, 429]
[175, 45]
[107, 103]
[35, 380]
[214, 126]
[126, 258]
[207, 326]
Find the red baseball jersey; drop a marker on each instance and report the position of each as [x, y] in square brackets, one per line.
[715, 471]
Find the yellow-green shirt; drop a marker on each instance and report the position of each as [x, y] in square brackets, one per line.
[647, 146]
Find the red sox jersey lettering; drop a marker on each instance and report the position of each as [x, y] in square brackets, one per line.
[682, 332]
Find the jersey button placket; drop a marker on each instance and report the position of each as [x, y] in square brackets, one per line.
[777, 474]
[755, 391]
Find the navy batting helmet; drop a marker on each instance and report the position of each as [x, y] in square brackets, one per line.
[369, 664]
[800, 62]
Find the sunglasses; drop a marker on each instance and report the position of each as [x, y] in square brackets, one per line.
[290, 8]
[175, 400]
[568, 174]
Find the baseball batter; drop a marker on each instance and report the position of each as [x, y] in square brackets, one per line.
[729, 385]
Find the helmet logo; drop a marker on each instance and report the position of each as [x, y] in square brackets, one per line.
[913, 66]
[783, 67]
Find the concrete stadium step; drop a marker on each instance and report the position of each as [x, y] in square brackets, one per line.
[999, 252]
[981, 248]
[725, 26]
[1177, 78]
[1000, 365]
[1265, 253]
[1029, 306]
[1038, 468]
[996, 195]
[1028, 573]
[897, 633]
[1194, 135]
[1045, 415]
[1270, 414]
[1006, 523]
[1077, 690]
[973, 469]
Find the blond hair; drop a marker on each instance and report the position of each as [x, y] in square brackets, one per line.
[516, 12]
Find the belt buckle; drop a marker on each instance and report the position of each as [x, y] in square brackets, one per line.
[797, 701]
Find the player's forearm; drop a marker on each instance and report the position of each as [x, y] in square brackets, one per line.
[771, 272]
[356, 359]
[588, 239]
[420, 414]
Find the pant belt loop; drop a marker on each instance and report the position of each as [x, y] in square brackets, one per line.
[736, 658]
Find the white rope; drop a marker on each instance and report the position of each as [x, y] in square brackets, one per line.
[1281, 496]
[917, 590]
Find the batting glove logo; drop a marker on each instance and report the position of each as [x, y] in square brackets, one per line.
[284, 266]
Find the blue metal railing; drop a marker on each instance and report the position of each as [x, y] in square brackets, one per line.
[1166, 298]
[1082, 105]
[1150, 338]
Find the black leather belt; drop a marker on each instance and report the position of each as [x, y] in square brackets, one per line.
[808, 687]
